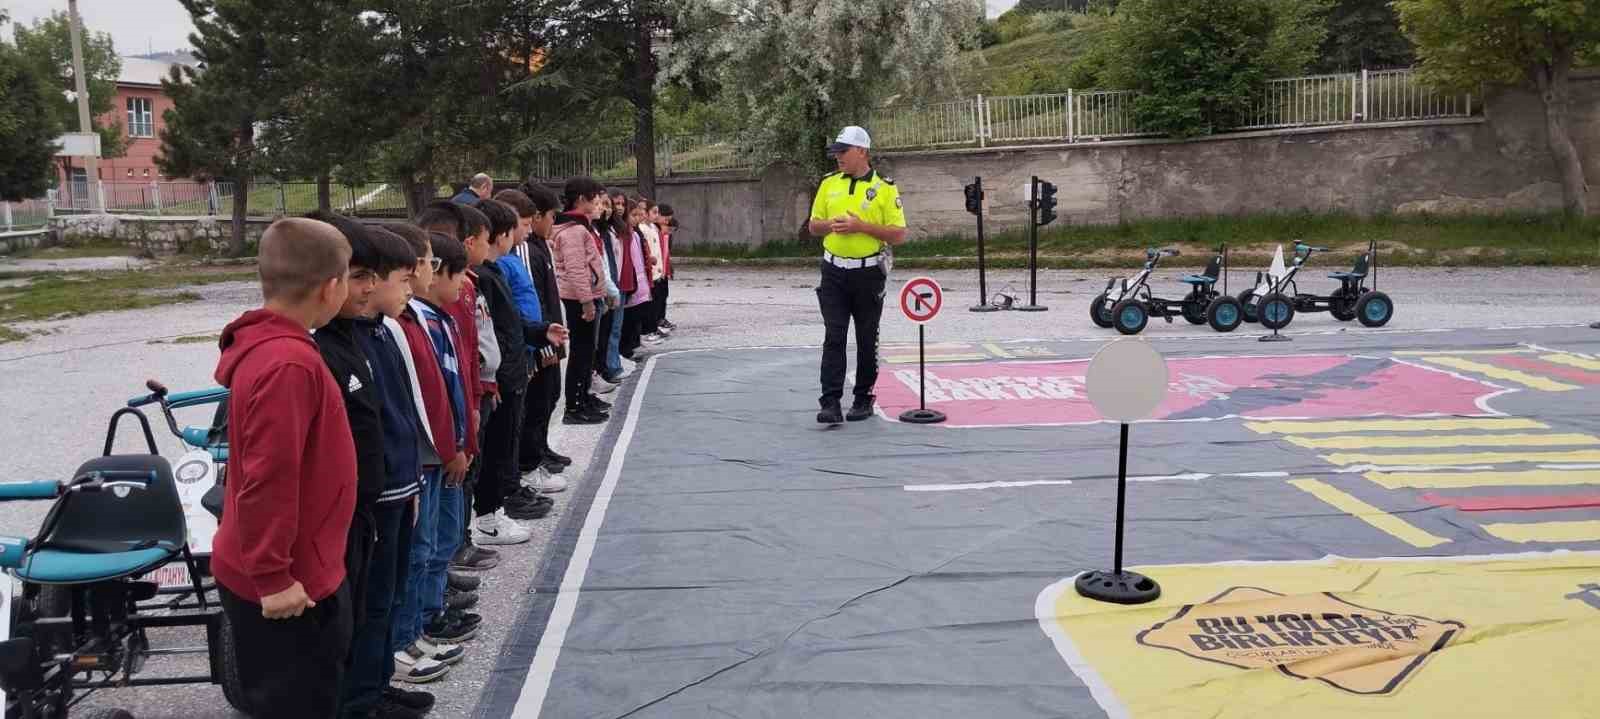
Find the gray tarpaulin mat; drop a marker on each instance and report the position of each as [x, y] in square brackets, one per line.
[732, 558]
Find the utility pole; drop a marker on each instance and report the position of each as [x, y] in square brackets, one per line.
[81, 84]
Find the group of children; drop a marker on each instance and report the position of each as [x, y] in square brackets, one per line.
[399, 380]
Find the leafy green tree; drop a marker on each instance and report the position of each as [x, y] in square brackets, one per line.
[48, 44]
[798, 71]
[1465, 44]
[1363, 34]
[1197, 66]
[28, 126]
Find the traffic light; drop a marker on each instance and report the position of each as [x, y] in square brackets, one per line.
[974, 192]
[1047, 203]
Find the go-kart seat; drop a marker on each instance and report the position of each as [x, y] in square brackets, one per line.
[1209, 275]
[100, 536]
[1355, 273]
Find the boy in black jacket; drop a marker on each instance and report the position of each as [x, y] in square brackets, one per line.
[498, 477]
[342, 347]
[538, 205]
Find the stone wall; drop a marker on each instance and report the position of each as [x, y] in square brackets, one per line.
[1497, 162]
[160, 235]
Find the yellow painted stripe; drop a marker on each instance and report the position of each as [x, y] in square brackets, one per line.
[912, 359]
[1531, 381]
[1573, 361]
[1578, 531]
[1388, 523]
[1463, 480]
[1446, 440]
[996, 349]
[1587, 455]
[1432, 353]
[1392, 425]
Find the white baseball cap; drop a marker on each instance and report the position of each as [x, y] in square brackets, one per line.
[851, 136]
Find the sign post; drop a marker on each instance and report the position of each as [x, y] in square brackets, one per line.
[920, 300]
[1126, 381]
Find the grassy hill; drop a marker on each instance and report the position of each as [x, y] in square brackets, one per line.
[1032, 64]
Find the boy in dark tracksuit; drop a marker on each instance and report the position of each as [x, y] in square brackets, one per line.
[372, 663]
[499, 476]
[544, 394]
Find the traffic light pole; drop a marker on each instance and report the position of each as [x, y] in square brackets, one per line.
[983, 283]
[1033, 250]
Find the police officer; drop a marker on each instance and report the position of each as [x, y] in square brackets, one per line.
[857, 212]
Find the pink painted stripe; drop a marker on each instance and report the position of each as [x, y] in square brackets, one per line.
[1548, 369]
[1491, 504]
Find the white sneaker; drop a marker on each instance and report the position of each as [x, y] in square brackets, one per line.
[543, 482]
[497, 528]
[412, 666]
[653, 338]
[663, 330]
[600, 385]
[442, 653]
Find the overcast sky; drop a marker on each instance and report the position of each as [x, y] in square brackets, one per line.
[136, 26]
[139, 26]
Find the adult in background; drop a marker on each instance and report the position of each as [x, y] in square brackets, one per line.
[479, 188]
[856, 212]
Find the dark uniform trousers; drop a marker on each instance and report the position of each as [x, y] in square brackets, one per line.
[845, 295]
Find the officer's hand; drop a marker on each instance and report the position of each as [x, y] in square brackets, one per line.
[847, 223]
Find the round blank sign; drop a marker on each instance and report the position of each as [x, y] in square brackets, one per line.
[1127, 380]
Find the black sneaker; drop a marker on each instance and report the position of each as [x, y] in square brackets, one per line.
[469, 560]
[460, 600]
[443, 631]
[462, 582]
[392, 709]
[466, 619]
[861, 409]
[418, 701]
[524, 512]
[596, 403]
[830, 414]
[527, 497]
[583, 415]
[551, 455]
[552, 467]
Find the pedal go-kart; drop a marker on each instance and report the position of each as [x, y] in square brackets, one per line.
[1128, 303]
[1276, 299]
[111, 561]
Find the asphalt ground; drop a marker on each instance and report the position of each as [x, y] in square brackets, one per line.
[61, 386]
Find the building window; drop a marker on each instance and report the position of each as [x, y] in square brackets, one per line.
[130, 172]
[146, 172]
[141, 118]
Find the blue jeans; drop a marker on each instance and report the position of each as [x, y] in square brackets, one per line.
[371, 659]
[408, 603]
[447, 539]
[613, 364]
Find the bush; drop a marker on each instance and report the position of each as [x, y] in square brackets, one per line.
[1013, 25]
[1199, 66]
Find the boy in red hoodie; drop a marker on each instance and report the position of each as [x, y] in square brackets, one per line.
[279, 553]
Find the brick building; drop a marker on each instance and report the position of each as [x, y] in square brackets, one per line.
[138, 106]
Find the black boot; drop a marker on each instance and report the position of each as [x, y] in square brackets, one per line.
[830, 414]
[861, 409]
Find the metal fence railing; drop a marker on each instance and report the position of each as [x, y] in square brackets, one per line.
[677, 154]
[188, 198]
[27, 214]
[1076, 116]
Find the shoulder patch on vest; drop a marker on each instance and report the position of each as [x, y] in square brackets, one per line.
[886, 180]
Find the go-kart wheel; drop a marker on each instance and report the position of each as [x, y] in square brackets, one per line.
[1374, 309]
[1246, 312]
[107, 713]
[1130, 316]
[1224, 314]
[1341, 306]
[232, 683]
[1194, 308]
[1276, 311]
[1098, 312]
